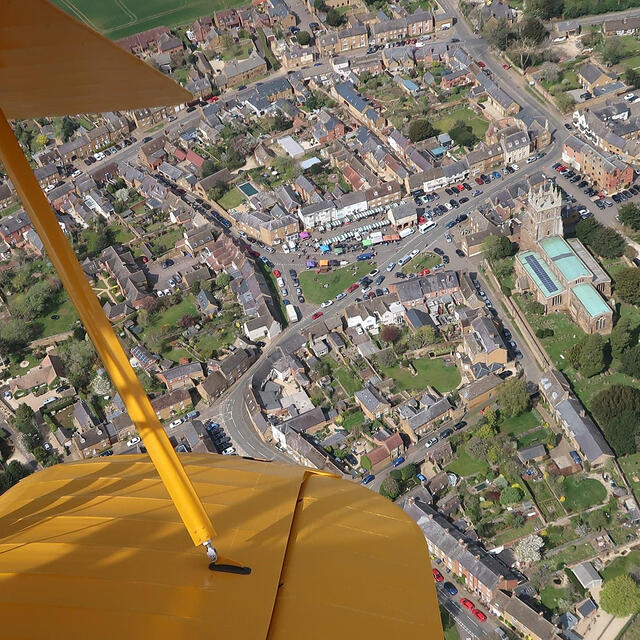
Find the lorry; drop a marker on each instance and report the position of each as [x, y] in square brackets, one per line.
[292, 313]
[365, 256]
[404, 233]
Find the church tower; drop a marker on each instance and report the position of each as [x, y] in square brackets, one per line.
[543, 216]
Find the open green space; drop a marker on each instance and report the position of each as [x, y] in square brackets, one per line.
[631, 466]
[169, 317]
[10, 210]
[352, 419]
[623, 564]
[533, 437]
[348, 379]
[58, 318]
[550, 596]
[516, 425]
[430, 372]
[446, 123]
[465, 465]
[337, 280]
[422, 261]
[555, 535]
[573, 554]
[165, 242]
[231, 199]
[581, 493]
[176, 353]
[121, 18]
[518, 532]
[218, 339]
[271, 59]
[238, 51]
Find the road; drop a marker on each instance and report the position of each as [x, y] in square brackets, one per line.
[463, 617]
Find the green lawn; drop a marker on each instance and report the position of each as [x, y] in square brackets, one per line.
[176, 353]
[517, 532]
[446, 123]
[222, 337]
[534, 437]
[422, 261]
[581, 493]
[519, 424]
[121, 235]
[623, 564]
[169, 317]
[573, 554]
[231, 199]
[550, 596]
[557, 535]
[271, 59]
[348, 379]
[465, 465]
[64, 322]
[432, 373]
[166, 242]
[238, 51]
[352, 419]
[630, 465]
[120, 18]
[338, 280]
[10, 210]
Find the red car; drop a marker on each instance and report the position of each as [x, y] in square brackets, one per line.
[506, 66]
[437, 576]
[352, 288]
[478, 614]
[479, 181]
[466, 603]
[316, 315]
[424, 272]
[276, 273]
[460, 187]
[481, 64]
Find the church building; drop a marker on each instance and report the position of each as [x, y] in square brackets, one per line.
[560, 273]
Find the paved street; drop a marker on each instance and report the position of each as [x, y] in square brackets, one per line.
[463, 617]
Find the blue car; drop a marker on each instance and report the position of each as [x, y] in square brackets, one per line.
[397, 462]
[450, 589]
[496, 174]
[576, 458]
[421, 477]
[368, 479]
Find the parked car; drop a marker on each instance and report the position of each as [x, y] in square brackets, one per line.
[133, 441]
[478, 614]
[431, 442]
[368, 479]
[437, 576]
[450, 589]
[446, 433]
[467, 604]
[397, 462]
[175, 423]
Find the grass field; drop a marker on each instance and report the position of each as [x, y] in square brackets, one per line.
[231, 199]
[338, 280]
[170, 316]
[430, 372]
[420, 262]
[353, 419]
[519, 424]
[477, 124]
[550, 596]
[465, 465]
[121, 18]
[581, 493]
[624, 564]
[348, 379]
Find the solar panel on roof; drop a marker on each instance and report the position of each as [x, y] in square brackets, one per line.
[532, 261]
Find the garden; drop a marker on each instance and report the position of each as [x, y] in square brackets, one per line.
[431, 372]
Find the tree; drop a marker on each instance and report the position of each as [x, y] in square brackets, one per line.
[613, 50]
[498, 248]
[409, 471]
[15, 335]
[78, 358]
[632, 78]
[627, 284]
[631, 361]
[606, 242]
[531, 28]
[597, 520]
[472, 507]
[462, 134]
[528, 549]
[425, 336]
[629, 214]
[122, 194]
[511, 495]
[187, 320]
[143, 318]
[303, 38]
[486, 431]
[208, 167]
[621, 337]
[588, 355]
[420, 130]
[477, 448]
[23, 418]
[64, 128]
[222, 280]
[545, 9]
[550, 72]
[282, 123]
[617, 410]
[498, 33]
[390, 333]
[564, 101]
[386, 359]
[514, 398]
[390, 488]
[334, 18]
[620, 596]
